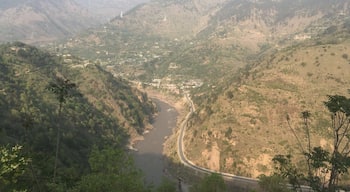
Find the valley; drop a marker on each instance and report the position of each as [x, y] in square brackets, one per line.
[257, 78]
[243, 70]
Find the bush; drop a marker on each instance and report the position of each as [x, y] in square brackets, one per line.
[345, 56]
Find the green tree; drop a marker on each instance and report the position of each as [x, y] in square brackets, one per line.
[273, 183]
[63, 89]
[166, 186]
[111, 170]
[325, 167]
[211, 183]
[339, 161]
[287, 170]
[12, 166]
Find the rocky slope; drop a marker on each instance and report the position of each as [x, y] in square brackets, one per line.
[245, 118]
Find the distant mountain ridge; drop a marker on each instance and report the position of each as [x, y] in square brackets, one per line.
[245, 22]
[41, 20]
[38, 21]
[104, 10]
[220, 32]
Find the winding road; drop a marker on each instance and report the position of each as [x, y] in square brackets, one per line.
[238, 180]
[149, 157]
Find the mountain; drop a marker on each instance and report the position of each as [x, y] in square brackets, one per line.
[244, 118]
[247, 124]
[104, 10]
[102, 111]
[36, 21]
[227, 22]
[247, 64]
[111, 96]
[201, 36]
[39, 21]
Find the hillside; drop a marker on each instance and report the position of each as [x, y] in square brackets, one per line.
[104, 10]
[45, 21]
[41, 20]
[179, 41]
[247, 64]
[104, 111]
[244, 121]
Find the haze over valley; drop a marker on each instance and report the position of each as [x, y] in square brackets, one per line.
[42, 21]
[252, 81]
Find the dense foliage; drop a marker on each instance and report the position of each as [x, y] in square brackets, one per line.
[35, 120]
[210, 183]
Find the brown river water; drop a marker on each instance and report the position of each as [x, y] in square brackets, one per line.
[149, 157]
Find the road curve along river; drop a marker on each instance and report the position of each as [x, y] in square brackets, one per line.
[238, 180]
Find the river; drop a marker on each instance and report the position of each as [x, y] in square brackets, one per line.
[149, 157]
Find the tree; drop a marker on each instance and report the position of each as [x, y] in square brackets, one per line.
[63, 89]
[286, 169]
[273, 183]
[12, 166]
[339, 107]
[211, 183]
[166, 186]
[325, 166]
[111, 170]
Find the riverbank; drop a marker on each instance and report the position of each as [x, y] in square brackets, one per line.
[180, 104]
[167, 159]
[148, 154]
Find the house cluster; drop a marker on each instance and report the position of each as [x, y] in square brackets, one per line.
[176, 88]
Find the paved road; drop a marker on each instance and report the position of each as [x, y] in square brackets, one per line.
[149, 157]
[188, 163]
[249, 183]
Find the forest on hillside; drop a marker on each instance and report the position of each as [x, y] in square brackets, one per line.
[59, 127]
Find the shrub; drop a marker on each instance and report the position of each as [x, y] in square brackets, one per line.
[345, 56]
